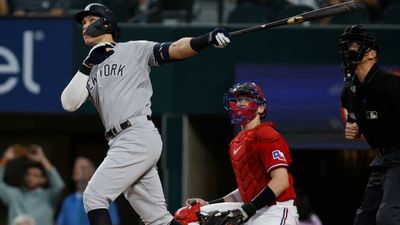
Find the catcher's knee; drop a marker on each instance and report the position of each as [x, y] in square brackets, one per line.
[93, 200]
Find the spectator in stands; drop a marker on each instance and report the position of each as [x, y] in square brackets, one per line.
[32, 198]
[24, 220]
[145, 11]
[331, 20]
[262, 10]
[276, 4]
[245, 1]
[377, 7]
[72, 211]
[39, 8]
[310, 3]
[4, 8]
[374, 8]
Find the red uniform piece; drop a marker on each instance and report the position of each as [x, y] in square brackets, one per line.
[260, 157]
[187, 214]
[254, 153]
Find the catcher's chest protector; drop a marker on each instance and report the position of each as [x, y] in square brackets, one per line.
[251, 176]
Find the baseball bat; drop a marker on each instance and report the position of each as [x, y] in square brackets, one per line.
[332, 10]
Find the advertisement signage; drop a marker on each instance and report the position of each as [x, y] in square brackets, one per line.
[36, 61]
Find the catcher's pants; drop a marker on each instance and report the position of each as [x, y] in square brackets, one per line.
[279, 214]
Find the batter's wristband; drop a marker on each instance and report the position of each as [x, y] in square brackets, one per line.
[85, 69]
[200, 42]
[218, 200]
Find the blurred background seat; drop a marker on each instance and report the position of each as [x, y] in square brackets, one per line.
[292, 10]
[249, 13]
[391, 15]
[176, 11]
[359, 16]
[117, 6]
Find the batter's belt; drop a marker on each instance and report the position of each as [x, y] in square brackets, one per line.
[111, 133]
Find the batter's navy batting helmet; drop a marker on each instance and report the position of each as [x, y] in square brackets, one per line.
[253, 93]
[106, 24]
[366, 40]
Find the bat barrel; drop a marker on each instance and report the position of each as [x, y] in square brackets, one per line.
[333, 10]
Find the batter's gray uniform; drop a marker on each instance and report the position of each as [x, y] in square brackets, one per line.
[115, 77]
[120, 89]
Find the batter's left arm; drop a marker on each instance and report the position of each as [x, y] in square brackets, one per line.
[189, 46]
[181, 49]
[76, 93]
[186, 47]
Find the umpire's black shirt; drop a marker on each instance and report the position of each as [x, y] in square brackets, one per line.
[377, 107]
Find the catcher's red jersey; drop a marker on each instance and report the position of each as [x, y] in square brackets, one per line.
[254, 153]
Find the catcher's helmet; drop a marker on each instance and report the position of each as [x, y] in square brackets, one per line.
[106, 24]
[366, 40]
[252, 93]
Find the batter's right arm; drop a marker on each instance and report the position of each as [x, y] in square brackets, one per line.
[75, 94]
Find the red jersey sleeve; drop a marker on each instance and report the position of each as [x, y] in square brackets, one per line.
[274, 154]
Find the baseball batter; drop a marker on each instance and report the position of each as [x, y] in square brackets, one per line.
[260, 158]
[115, 78]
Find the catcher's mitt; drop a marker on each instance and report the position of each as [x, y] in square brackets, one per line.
[230, 217]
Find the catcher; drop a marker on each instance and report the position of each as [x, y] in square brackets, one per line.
[260, 158]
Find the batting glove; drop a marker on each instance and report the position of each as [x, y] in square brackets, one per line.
[220, 38]
[99, 53]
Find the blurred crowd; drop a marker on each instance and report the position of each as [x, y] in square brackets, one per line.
[208, 11]
[32, 189]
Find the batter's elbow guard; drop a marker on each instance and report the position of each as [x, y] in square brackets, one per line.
[161, 53]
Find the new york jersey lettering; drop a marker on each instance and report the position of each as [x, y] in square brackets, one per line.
[112, 70]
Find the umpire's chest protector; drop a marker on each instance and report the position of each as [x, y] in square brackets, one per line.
[251, 174]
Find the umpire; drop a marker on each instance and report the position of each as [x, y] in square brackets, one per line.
[371, 97]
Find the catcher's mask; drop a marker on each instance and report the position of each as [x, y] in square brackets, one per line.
[242, 102]
[367, 42]
[106, 24]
